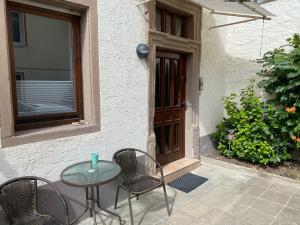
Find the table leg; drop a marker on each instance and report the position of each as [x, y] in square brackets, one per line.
[89, 207]
[88, 201]
[106, 210]
[91, 202]
[93, 210]
[78, 218]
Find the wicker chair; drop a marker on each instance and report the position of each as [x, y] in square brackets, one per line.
[135, 179]
[18, 199]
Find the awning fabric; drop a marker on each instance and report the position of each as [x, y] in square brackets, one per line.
[241, 9]
[250, 10]
[230, 8]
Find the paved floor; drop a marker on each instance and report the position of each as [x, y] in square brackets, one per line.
[232, 196]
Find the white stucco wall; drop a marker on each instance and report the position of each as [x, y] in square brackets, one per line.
[229, 54]
[212, 71]
[243, 41]
[123, 83]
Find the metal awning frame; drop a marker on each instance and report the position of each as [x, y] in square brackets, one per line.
[251, 17]
[238, 15]
[234, 23]
[142, 2]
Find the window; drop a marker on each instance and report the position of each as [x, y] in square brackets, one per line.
[18, 29]
[46, 72]
[170, 23]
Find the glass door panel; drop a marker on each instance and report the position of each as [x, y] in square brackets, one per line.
[158, 98]
[167, 82]
[169, 112]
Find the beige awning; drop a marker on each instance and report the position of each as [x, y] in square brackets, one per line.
[240, 9]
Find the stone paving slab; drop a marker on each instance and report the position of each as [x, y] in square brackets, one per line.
[231, 196]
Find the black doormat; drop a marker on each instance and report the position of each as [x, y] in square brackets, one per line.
[187, 182]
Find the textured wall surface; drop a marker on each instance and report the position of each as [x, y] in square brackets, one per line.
[212, 72]
[229, 54]
[123, 102]
[243, 41]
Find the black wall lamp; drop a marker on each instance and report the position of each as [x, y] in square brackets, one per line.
[142, 51]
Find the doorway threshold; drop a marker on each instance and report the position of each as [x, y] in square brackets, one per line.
[179, 167]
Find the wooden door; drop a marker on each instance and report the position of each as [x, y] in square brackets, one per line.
[169, 106]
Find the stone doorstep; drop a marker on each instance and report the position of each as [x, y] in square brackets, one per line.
[178, 168]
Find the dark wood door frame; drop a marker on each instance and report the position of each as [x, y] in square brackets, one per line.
[169, 120]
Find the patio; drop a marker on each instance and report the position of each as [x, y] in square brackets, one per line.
[233, 195]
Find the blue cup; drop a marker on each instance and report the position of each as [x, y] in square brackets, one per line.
[94, 159]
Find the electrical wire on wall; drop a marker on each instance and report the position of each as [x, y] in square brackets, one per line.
[262, 36]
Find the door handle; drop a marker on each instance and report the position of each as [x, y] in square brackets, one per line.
[184, 104]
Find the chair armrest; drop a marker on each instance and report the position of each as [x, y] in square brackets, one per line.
[61, 198]
[156, 163]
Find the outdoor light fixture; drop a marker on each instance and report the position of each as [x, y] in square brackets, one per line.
[142, 51]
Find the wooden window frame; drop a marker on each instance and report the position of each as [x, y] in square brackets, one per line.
[47, 120]
[164, 12]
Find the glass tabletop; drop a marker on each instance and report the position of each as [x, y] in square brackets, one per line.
[82, 174]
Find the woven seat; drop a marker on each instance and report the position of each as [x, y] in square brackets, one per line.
[136, 180]
[18, 199]
[142, 184]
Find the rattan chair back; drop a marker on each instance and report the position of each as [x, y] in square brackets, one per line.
[19, 198]
[137, 178]
[126, 158]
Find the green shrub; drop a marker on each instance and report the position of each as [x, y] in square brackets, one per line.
[281, 79]
[254, 128]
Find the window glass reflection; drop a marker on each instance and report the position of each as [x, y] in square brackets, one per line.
[44, 66]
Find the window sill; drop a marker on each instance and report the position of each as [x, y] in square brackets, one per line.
[173, 37]
[51, 133]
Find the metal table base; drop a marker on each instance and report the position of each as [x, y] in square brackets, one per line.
[92, 202]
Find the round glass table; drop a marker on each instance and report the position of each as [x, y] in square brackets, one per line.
[82, 175]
